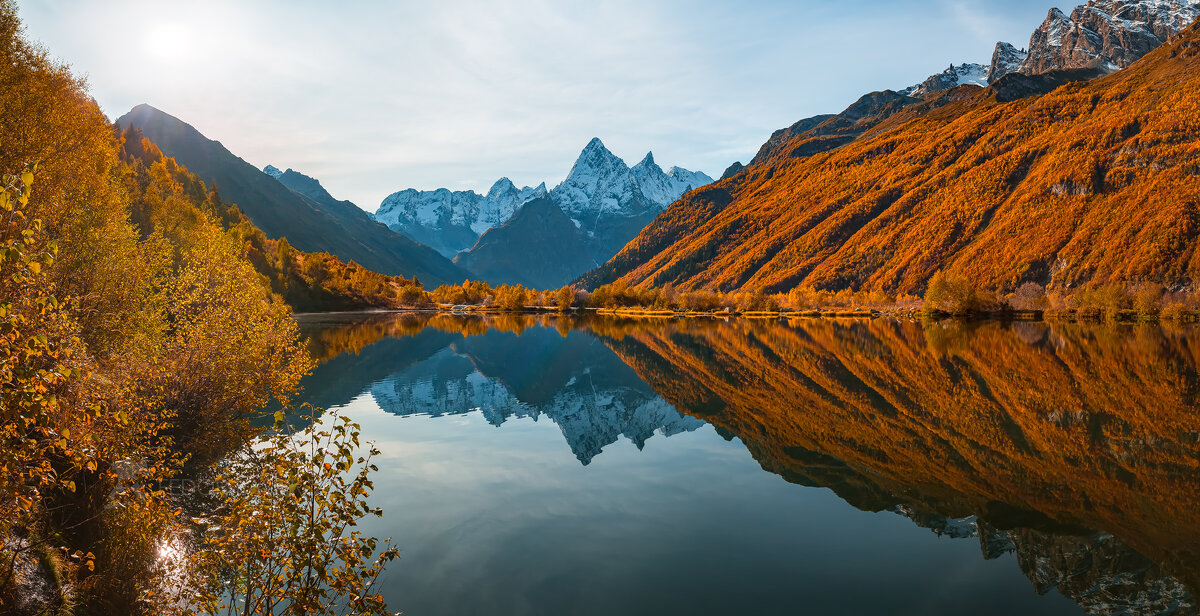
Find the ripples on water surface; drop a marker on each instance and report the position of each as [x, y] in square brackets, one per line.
[547, 466]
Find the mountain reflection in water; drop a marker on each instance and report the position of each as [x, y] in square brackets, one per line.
[1073, 446]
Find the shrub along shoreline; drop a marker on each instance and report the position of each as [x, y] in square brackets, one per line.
[946, 296]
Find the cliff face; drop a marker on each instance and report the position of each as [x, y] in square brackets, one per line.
[1006, 59]
[1108, 34]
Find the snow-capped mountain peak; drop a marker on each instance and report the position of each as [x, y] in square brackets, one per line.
[450, 222]
[272, 171]
[599, 193]
[600, 184]
[503, 185]
[536, 193]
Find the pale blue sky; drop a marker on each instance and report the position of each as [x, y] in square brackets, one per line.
[374, 97]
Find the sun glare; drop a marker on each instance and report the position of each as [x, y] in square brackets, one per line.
[168, 42]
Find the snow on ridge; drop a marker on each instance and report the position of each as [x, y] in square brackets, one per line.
[600, 183]
[599, 186]
[965, 74]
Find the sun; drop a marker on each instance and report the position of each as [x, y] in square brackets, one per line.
[168, 42]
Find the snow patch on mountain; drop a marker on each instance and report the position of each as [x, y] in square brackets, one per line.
[972, 74]
[451, 221]
[272, 171]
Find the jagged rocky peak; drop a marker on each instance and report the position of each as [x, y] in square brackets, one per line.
[1107, 34]
[599, 184]
[272, 171]
[733, 170]
[964, 74]
[663, 188]
[1006, 59]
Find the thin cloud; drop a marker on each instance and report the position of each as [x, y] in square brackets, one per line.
[374, 97]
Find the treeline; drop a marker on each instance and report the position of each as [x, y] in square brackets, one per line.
[138, 342]
[619, 295]
[164, 193]
[956, 295]
[946, 294]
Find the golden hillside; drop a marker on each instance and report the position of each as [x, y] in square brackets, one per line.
[1093, 182]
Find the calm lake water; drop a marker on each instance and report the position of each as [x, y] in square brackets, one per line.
[546, 466]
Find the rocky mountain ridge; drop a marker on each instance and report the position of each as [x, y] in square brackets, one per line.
[599, 188]
[1102, 34]
[451, 221]
[1109, 34]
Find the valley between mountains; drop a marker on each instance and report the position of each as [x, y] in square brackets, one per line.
[1070, 161]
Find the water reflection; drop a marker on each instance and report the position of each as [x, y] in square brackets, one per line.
[509, 368]
[1074, 447]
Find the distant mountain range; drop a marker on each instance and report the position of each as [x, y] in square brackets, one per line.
[293, 205]
[1023, 180]
[581, 223]
[775, 225]
[530, 236]
[451, 221]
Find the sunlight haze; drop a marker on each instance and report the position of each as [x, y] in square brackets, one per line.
[375, 97]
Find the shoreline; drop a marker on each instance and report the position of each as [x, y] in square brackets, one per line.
[1125, 316]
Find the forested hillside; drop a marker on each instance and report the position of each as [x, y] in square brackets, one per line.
[1095, 182]
[337, 227]
[161, 192]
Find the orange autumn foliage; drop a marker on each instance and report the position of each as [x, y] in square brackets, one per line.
[1095, 182]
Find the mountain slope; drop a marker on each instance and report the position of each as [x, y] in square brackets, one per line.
[539, 247]
[1092, 182]
[335, 227]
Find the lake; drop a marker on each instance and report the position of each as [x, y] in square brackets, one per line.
[538, 465]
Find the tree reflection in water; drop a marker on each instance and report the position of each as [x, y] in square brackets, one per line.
[1076, 446]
